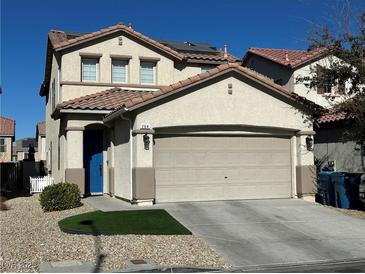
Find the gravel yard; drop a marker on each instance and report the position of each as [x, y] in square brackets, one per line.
[29, 236]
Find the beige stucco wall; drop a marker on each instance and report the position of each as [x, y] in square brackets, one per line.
[6, 156]
[41, 154]
[53, 126]
[213, 105]
[122, 159]
[166, 72]
[311, 94]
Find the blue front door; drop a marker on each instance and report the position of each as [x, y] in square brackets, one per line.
[93, 161]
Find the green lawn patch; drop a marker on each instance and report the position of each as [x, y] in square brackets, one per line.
[140, 222]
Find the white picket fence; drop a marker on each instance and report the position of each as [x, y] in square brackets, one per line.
[37, 184]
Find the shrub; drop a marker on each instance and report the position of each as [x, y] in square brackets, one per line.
[60, 197]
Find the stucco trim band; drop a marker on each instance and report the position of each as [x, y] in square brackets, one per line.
[305, 132]
[75, 128]
[91, 55]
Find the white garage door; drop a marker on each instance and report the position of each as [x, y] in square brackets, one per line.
[202, 168]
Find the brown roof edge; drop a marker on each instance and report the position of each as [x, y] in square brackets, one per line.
[61, 45]
[316, 54]
[220, 70]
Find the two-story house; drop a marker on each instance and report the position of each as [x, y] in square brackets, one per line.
[286, 67]
[163, 121]
[7, 136]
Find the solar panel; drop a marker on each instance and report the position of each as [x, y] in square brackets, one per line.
[190, 46]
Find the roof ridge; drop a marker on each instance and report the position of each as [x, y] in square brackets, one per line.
[118, 26]
[281, 49]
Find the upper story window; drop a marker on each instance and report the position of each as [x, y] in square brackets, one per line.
[326, 88]
[2, 145]
[119, 71]
[89, 69]
[322, 87]
[148, 73]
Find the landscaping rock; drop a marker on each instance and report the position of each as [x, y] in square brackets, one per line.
[30, 236]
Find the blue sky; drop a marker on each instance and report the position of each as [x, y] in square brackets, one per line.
[238, 23]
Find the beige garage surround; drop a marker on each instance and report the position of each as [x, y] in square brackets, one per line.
[203, 168]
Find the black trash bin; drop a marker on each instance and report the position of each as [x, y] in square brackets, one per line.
[347, 189]
[326, 188]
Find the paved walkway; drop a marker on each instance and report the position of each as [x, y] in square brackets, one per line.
[265, 232]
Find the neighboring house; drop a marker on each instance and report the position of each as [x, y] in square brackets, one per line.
[21, 148]
[7, 135]
[147, 121]
[331, 149]
[285, 67]
[41, 141]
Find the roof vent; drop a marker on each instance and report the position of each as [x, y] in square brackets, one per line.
[286, 56]
[225, 51]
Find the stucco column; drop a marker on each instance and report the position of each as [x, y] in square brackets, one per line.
[143, 172]
[75, 172]
[305, 169]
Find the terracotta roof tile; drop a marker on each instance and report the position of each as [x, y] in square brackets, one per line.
[41, 128]
[7, 126]
[107, 100]
[59, 39]
[287, 57]
[333, 116]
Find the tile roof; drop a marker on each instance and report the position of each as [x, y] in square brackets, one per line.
[219, 57]
[333, 116]
[117, 98]
[60, 40]
[41, 128]
[7, 126]
[287, 57]
[106, 100]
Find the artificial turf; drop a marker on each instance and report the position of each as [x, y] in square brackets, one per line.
[140, 222]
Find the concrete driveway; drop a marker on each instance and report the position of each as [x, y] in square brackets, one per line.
[266, 232]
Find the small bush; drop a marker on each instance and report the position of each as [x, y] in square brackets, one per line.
[60, 197]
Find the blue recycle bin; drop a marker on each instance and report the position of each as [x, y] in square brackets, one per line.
[346, 189]
[326, 188]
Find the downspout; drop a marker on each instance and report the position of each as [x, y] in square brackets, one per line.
[131, 153]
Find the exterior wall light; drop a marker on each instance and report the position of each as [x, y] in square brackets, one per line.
[309, 143]
[146, 141]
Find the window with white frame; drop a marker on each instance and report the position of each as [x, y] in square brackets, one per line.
[2, 145]
[148, 73]
[89, 69]
[119, 71]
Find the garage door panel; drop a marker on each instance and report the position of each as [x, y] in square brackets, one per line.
[219, 168]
